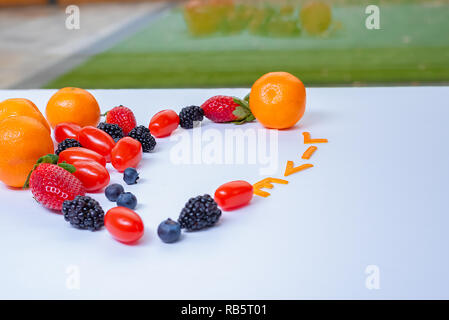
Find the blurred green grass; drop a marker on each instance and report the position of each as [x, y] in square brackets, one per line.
[412, 46]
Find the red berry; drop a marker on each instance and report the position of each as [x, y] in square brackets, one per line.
[123, 117]
[163, 123]
[51, 185]
[127, 153]
[227, 109]
[124, 224]
[233, 195]
[66, 130]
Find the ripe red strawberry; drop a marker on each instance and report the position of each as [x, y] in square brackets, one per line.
[123, 117]
[227, 109]
[51, 185]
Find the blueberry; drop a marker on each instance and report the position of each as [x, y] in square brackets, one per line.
[113, 191]
[127, 199]
[130, 175]
[169, 231]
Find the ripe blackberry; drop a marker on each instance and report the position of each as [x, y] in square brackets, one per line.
[199, 212]
[112, 129]
[143, 135]
[190, 114]
[67, 143]
[83, 212]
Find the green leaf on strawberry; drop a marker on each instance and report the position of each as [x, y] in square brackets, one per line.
[49, 158]
[67, 166]
[247, 98]
[242, 112]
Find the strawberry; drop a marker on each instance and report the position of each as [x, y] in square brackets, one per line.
[52, 184]
[123, 117]
[227, 109]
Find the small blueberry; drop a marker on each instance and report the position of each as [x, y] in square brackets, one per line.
[113, 191]
[169, 231]
[127, 199]
[130, 176]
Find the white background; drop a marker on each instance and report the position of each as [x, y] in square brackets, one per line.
[378, 195]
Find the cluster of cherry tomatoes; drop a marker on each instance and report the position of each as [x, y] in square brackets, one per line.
[98, 148]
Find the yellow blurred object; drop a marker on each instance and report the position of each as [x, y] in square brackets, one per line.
[316, 17]
[206, 17]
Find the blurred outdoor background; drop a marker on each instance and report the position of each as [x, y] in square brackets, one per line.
[221, 43]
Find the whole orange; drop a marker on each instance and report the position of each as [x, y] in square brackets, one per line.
[23, 140]
[278, 100]
[73, 105]
[21, 107]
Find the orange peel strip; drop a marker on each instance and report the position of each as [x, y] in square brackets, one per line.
[308, 140]
[309, 152]
[261, 193]
[280, 181]
[290, 169]
[266, 183]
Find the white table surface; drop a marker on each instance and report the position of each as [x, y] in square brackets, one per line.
[378, 195]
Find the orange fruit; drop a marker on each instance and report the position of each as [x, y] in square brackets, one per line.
[23, 140]
[278, 100]
[21, 107]
[73, 105]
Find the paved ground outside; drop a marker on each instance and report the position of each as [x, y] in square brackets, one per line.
[150, 45]
[36, 46]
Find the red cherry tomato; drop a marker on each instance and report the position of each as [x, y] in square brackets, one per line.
[97, 140]
[71, 155]
[92, 174]
[124, 224]
[163, 123]
[126, 153]
[66, 130]
[234, 194]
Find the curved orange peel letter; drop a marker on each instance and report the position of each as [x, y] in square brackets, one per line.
[309, 152]
[308, 140]
[290, 169]
[266, 183]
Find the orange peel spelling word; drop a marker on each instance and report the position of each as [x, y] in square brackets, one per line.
[290, 169]
[309, 152]
[308, 140]
[266, 183]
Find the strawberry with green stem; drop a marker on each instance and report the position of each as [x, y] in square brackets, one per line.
[51, 184]
[227, 109]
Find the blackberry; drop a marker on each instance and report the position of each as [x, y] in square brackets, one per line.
[83, 212]
[190, 114]
[199, 213]
[143, 135]
[112, 129]
[67, 143]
